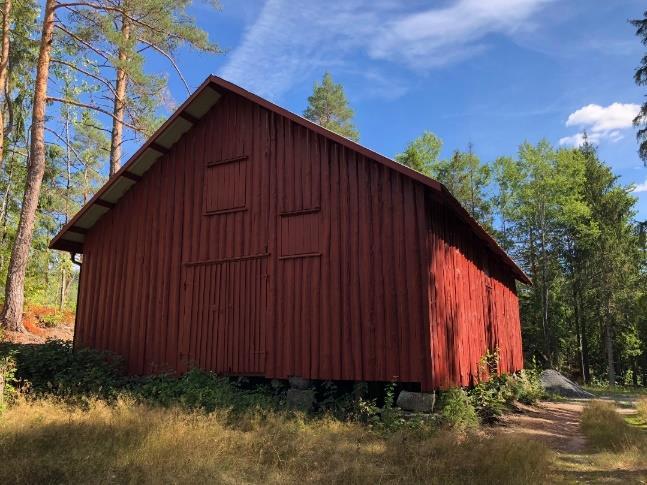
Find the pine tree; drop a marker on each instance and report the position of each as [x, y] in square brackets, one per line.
[11, 316]
[328, 107]
[113, 35]
[640, 77]
[4, 69]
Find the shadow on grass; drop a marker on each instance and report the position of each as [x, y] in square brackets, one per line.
[44, 442]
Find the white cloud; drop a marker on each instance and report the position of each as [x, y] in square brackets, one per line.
[287, 44]
[601, 122]
[441, 35]
[603, 119]
[641, 187]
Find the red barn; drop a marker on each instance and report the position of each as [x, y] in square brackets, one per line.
[244, 239]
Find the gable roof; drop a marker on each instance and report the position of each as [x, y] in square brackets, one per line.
[71, 236]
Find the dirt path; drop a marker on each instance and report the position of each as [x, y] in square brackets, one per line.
[557, 424]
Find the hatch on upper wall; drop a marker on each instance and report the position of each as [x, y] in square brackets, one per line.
[72, 236]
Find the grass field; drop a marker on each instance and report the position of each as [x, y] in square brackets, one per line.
[71, 417]
[46, 442]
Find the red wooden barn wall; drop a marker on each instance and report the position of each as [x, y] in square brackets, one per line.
[259, 247]
[473, 303]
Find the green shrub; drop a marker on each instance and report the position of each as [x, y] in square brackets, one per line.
[391, 416]
[54, 369]
[51, 320]
[7, 380]
[527, 386]
[200, 390]
[353, 407]
[491, 397]
[457, 409]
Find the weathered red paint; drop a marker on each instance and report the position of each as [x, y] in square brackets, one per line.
[259, 245]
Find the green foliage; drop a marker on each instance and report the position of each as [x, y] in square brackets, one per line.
[353, 407]
[50, 320]
[457, 409]
[640, 77]
[80, 376]
[199, 390]
[54, 369]
[391, 416]
[462, 173]
[491, 397]
[422, 154]
[328, 107]
[527, 387]
[8, 390]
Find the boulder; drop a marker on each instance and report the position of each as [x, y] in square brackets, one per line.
[418, 402]
[301, 399]
[299, 383]
[555, 383]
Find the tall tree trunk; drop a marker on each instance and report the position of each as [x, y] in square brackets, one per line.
[578, 328]
[11, 316]
[580, 324]
[63, 289]
[119, 107]
[608, 342]
[544, 288]
[586, 366]
[3, 215]
[68, 196]
[4, 68]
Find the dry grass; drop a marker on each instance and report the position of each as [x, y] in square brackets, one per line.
[641, 408]
[619, 449]
[605, 429]
[44, 442]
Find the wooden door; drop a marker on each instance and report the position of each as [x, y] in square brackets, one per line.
[224, 316]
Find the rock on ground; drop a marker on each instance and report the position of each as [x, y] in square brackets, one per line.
[555, 383]
[419, 402]
[301, 400]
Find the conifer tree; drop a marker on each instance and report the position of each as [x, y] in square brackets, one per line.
[640, 77]
[328, 107]
[114, 35]
[11, 316]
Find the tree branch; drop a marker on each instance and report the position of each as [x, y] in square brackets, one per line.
[94, 108]
[103, 54]
[87, 73]
[170, 59]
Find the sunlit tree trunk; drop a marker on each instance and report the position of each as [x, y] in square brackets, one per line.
[11, 316]
[608, 342]
[119, 107]
[4, 68]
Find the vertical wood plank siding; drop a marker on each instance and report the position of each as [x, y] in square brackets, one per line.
[294, 256]
[473, 303]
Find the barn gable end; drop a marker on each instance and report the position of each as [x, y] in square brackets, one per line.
[257, 245]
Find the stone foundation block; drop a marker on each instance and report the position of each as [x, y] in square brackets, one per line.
[301, 400]
[419, 402]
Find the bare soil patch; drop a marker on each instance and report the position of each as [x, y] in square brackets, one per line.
[557, 424]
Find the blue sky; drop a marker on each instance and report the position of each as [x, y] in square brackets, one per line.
[493, 73]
